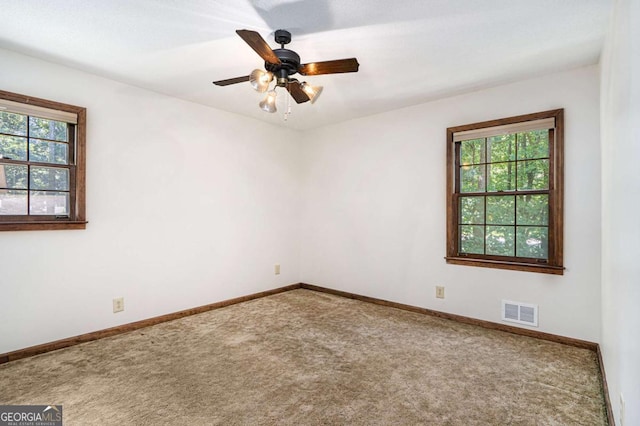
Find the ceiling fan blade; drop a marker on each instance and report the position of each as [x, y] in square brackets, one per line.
[329, 67]
[299, 95]
[257, 43]
[231, 81]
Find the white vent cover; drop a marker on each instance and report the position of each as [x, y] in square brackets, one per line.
[522, 313]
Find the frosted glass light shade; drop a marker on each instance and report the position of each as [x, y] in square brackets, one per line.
[260, 80]
[312, 91]
[268, 104]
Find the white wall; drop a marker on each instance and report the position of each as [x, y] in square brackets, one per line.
[187, 206]
[620, 111]
[374, 212]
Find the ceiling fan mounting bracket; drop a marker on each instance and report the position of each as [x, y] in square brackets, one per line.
[282, 37]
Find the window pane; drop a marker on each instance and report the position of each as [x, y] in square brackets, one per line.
[49, 203]
[501, 210]
[12, 176]
[472, 178]
[534, 144]
[501, 148]
[532, 209]
[13, 124]
[49, 178]
[500, 240]
[13, 147]
[472, 210]
[13, 202]
[502, 177]
[48, 152]
[532, 241]
[533, 175]
[47, 129]
[472, 151]
[472, 239]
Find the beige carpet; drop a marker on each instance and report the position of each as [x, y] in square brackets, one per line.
[303, 357]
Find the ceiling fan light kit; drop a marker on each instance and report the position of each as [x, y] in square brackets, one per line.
[280, 65]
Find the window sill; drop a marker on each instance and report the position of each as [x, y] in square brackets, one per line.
[514, 266]
[48, 225]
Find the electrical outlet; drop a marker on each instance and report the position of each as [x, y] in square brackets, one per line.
[621, 409]
[440, 292]
[118, 304]
[277, 269]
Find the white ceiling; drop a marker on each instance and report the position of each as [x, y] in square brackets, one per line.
[410, 51]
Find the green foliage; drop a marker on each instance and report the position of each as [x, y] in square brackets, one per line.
[502, 177]
[15, 176]
[532, 242]
[472, 152]
[502, 148]
[48, 152]
[500, 210]
[42, 178]
[534, 144]
[472, 178]
[42, 128]
[13, 124]
[500, 240]
[49, 178]
[532, 209]
[533, 175]
[472, 239]
[13, 147]
[471, 210]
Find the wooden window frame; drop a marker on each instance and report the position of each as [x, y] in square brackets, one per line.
[76, 166]
[554, 263]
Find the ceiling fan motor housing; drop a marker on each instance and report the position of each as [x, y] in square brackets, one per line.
[289, 63]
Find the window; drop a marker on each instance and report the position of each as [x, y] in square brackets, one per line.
[505, 193]
[42, 164]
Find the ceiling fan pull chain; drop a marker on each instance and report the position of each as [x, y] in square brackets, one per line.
[288, 109]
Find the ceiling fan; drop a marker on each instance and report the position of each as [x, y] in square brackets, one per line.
[281, 64]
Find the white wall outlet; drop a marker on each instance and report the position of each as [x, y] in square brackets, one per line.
[118, 304]
[276, 269]
[440, 292]
[621, 409]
